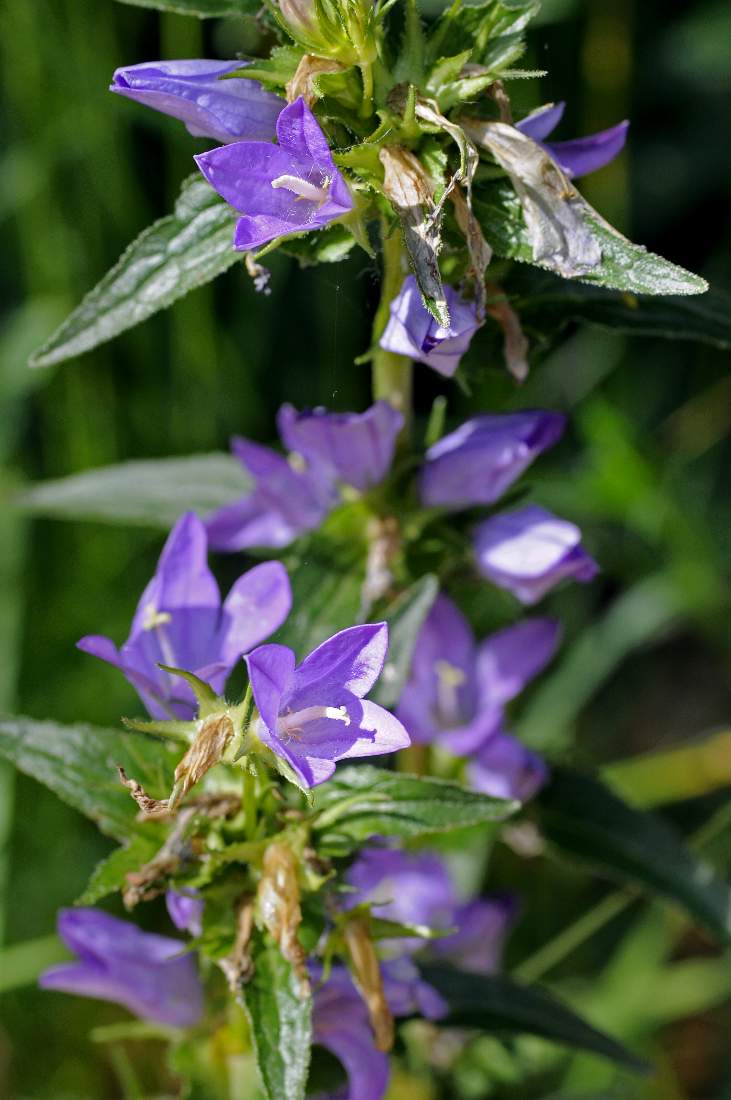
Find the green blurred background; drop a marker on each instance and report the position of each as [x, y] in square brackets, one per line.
[645, 663]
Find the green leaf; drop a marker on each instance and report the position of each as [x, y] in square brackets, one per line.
[584, 818]
[494, 30]
[148, 493]
[326, 571]
[109, 875]
[327, 246]
[80, 763]
[623, 265]
[548, 302]
[281, 1026]
[360, 802]
[494, 1003]
[203, 9]
[174, 255]
[405, 617]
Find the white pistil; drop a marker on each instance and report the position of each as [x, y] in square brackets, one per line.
[449, 680]
[292, 724]
[303, 189]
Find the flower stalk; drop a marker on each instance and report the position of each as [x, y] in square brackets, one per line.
[392, 374]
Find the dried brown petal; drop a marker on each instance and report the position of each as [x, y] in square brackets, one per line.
[150, 879]
[206, 750]
[238, 966]
[278, 907]
[366, 972]
[515, 342]
[309, 68]
[150, 807]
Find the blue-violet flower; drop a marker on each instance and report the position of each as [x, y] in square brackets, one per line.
[412, 331]
[580, 156]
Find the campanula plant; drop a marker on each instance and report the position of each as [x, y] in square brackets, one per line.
[324, 901]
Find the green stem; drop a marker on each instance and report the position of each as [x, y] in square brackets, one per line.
[366, 107]
[248, 802]
[392, 374]
[557, 949]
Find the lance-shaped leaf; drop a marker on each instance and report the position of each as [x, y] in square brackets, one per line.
[406, 185]
[582, 817]
[80, 763]
[174, 255]
[496, 1004]
[364, 801]
[203, 9]
[281, 1026]
[153, 493]
[624, 265]
[560, 236]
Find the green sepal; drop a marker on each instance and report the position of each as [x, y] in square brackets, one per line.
[208, 701]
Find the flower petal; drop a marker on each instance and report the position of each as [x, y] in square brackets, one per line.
[504, 768]
[581, 156]
[271, 668]
[539, 124]
[258, 603]
[509, 660]
[351, 660]
[300, 135]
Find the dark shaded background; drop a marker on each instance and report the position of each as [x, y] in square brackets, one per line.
[645, 661]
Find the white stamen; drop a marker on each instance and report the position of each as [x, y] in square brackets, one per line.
[293, 723]
[157, 621]
[303, 188]
[449, 680]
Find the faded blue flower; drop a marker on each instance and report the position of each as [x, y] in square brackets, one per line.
[578, 157]
[185, 908]
[193, 91]
[528, 551]
[481, 459]
[313, 714]
[148, 974]
[292, 187]
[181, 622]
[413, 332]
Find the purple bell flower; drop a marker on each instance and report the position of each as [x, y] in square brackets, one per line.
[314, 714]
[457, 691]
[354, 448]
[416, 888]
[340, 1025]
[185, 908]
[413, 332]
[181, 622]
[407, 993]
[193, 91]
[504, 768]
[528, 551]
[117, 962]
[581, 156]
[481, 459]
[285, 503]
[292, 187]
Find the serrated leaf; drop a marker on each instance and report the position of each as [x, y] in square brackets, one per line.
[79, 763]
[109, 875]
[623, 265]
[203, 9]
[174, 255]
[405, 617]
[281, 1026]
[548, 302]
[151, 493]
[496, 1004]
[364, 801]
[582, 817]
[493, 29]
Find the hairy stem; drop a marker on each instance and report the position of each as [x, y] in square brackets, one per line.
[392, 374]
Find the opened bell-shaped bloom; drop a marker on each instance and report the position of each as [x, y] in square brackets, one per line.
[481, 459]
[313, 714]
[416, 888]
[287, 500]
[354, 448]
[226, 110]
[181, 622]
[291, 187]
[458, 689]
[412, 331]
[529, 550]
[340, 1024]
[148, 974]
[578, 157]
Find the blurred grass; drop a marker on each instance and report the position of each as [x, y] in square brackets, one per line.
[646, 654]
